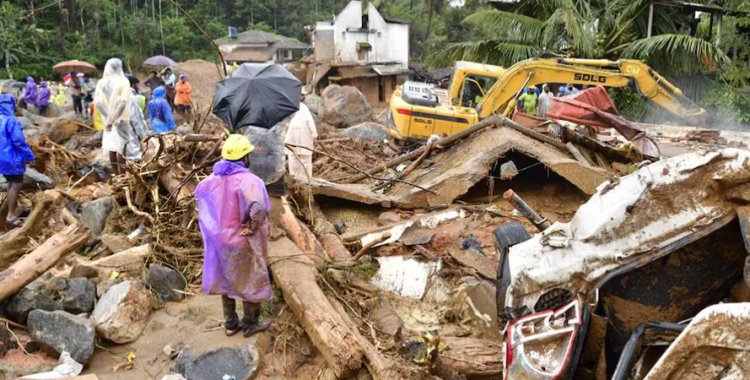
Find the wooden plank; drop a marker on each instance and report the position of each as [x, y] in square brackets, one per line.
[577, 154]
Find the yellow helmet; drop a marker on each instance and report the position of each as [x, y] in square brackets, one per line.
[235, 147]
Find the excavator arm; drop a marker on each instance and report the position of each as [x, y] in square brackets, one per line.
[501, 97]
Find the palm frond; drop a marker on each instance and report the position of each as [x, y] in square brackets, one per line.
[566, 29]
[499, 24]
[496, 52]
[677, 53]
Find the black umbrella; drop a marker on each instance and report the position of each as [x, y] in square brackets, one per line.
[257, 94]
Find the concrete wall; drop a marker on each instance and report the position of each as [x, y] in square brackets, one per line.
[389, 41]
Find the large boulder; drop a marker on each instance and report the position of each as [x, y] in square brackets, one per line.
[63, 331]
[366, 131]
[314, 103]
[122, 312]
[95, 214]
[60, 130]
[345, 106]
[166, 282]
[236, 362]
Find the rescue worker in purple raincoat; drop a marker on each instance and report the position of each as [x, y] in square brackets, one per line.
[233, 208]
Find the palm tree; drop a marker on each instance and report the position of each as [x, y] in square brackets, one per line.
[578, 28]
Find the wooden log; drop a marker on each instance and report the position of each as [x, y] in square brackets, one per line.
[473, 356]
[322, 228]
[295, 274]
[13, 243]
[31, 266]
[379, 366]
[298, 232]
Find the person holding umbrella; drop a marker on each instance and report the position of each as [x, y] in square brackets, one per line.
[233, 208]
[14, 153]
[113, 102]
[183, 100]
[76, 95]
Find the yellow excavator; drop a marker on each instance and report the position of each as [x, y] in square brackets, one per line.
[419, 110]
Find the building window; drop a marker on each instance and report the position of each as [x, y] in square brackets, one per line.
[362, 49]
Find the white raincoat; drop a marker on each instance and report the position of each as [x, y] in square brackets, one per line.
[112, 101]
[301, 132]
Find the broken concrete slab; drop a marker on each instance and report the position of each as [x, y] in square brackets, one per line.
[63, 331]
[455, 170]
[471, 258]
[122, 312]
[353, 192]
[226, 362]
[475, 307]
[407, 277]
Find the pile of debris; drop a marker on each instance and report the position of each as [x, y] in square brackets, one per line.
[392, 265]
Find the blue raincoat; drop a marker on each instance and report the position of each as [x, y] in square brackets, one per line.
[14, 150]
[160, 113]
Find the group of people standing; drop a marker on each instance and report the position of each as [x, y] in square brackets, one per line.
[38, 97]
[178, 93]
[536, 104]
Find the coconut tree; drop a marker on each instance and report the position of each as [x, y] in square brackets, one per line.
[577, 28]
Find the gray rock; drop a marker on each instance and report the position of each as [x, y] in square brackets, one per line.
[63, 331]
[122, 312]
[314, 103]
[366, 131]
[240, 362]
[95, 214]
[345, 106]
[80, 296]
[164, 281]
[36, 180]
[32, 180]
[49, 293]
[34, 296]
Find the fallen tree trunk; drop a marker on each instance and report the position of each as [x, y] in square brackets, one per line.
[379, 366]
[13, 243]
[298, 233]
[472, 356]
[31, 266]
[322, 228]
[295, 274]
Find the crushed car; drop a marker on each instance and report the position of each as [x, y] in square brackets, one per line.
[606, 294]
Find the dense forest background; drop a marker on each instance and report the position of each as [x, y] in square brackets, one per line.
[708, 60]
[40, 33]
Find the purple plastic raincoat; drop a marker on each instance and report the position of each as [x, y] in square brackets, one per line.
[30, 95]
[234, 265]
[42, 98]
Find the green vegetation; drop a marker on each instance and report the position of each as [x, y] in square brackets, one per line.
[35, 34]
